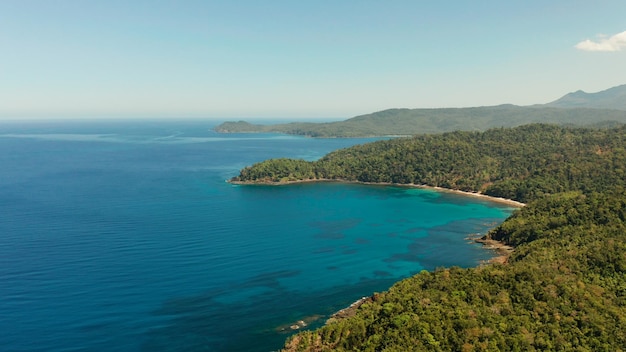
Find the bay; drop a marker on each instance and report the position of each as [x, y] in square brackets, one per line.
[124, 236]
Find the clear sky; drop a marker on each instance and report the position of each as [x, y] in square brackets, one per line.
[300, 58]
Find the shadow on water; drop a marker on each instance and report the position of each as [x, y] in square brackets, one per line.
[258, 314]
[335, 225]
[204, 323]
[440, 246]
[333, 230]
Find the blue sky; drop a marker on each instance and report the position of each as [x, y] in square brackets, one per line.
[300, 58]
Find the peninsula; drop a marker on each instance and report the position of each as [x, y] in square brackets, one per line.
[578, 108]
[562, 288]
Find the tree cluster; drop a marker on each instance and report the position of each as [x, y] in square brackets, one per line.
[404, 122]
[564, 286]
[521, 163]
[563, 289]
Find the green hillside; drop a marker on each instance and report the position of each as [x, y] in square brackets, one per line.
[394, 122]
[564, 286]
[613, 98]
[521, 163]
[564, 290]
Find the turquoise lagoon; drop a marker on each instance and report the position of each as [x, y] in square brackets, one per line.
[124, 236]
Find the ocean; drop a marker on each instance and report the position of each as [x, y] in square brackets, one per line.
[124, 236]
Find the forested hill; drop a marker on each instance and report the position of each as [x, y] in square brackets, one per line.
[564, 286]
[394, 122]
[612, 98]
[563, 289]
[522, 163]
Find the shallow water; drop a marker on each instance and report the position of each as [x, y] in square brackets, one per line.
[124, 236]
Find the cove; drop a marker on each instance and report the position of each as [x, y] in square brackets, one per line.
[124, 236]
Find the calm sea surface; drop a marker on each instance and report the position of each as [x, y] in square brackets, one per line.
[124, 236]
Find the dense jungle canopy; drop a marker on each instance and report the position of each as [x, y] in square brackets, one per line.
[562, 289]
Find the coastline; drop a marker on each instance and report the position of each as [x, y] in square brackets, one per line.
[500, 200]
[502, 250]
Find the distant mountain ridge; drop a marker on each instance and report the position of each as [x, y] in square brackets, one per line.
[601, 109]
[612, 98]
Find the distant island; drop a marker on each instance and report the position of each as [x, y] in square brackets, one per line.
[562, 288]
[605, 108]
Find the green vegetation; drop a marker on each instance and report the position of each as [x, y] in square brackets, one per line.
[562, 291]
[404, 122]
[522, 163]
[612, 98]
[564, 286]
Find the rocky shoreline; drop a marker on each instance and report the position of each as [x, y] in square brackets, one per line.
[340, 314]
[350, 310]
[502, 250]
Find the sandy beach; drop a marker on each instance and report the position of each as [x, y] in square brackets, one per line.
[510, 202]
[501, 250]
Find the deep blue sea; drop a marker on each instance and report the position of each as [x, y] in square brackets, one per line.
[124, 236]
